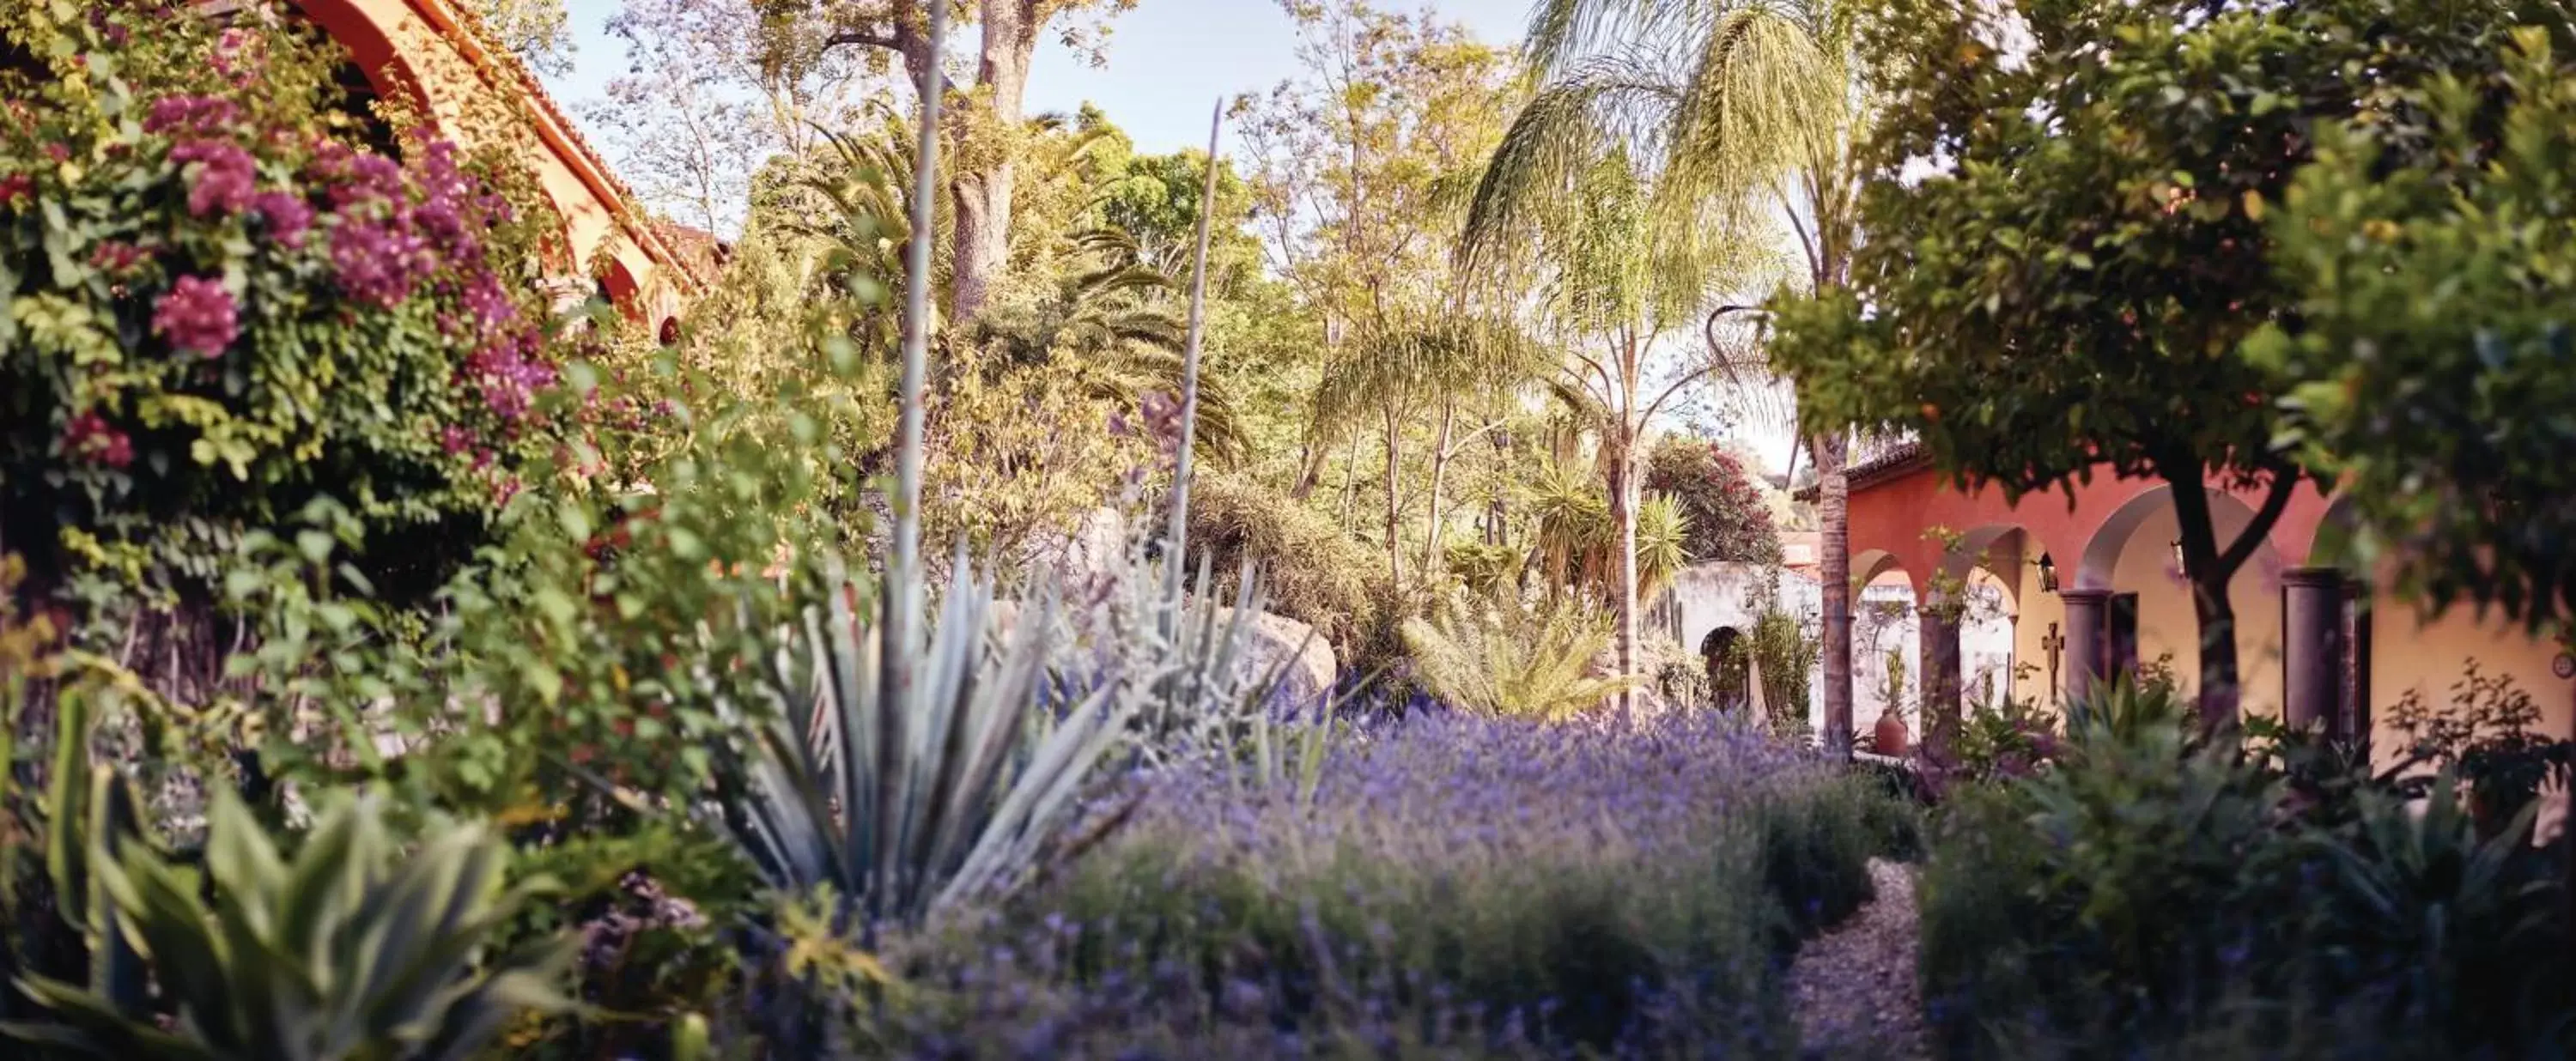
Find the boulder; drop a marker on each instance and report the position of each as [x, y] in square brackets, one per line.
[1273, 638]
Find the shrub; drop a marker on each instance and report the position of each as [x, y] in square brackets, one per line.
[224, 302]
[2326, 916]
[1310, 570]
[354, 948]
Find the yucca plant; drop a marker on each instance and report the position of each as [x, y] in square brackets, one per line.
[358, 948]
[1514, 657]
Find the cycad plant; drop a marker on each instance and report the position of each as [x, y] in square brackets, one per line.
[356, 948]
[1513, 657]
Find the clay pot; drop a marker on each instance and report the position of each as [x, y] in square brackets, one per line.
[1891, 737]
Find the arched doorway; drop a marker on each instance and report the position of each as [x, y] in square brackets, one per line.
[1729, 661]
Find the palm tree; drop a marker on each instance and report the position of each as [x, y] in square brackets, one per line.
[1390, 373]
[1751, 110]
[1611, 283]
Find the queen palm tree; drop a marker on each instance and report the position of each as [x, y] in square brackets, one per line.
[1610, 284]
[1749, 111]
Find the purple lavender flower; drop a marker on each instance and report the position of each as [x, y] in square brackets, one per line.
[197, 316]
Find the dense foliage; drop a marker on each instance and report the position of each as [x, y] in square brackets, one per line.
[223, 303]
[2329, 917]
[1723, 512]
[2429, 352]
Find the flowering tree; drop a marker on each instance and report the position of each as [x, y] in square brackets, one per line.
[218, 308]
[1724, 511]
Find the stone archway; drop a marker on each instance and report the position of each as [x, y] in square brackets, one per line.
[2130, 607]
[1728, 658]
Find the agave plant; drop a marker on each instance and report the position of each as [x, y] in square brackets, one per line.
[356, 948]
[2430, 906]
[1507, 656]
[906, 802]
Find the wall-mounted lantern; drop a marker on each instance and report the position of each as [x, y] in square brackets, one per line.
[2180, 563]
[2047, 573]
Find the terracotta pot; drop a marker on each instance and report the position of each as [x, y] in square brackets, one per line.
[1891, 737]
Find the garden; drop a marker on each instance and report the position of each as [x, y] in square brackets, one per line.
[1044, 598]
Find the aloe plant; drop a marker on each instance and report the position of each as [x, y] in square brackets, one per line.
[358, 948]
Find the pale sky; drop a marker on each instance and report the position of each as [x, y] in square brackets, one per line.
[1169, 60]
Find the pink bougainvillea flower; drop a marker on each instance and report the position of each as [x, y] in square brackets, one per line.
[15, 185]
[286, 214]
[378, 262]
[116, 258]
[221, 177]
[236, 55]
[90, 438]
[196, 115]
[196, 316]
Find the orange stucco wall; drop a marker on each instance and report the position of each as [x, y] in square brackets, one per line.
[424, 51]
[2409, 651]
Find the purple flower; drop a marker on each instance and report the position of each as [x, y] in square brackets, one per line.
[198, 115]
[196, 316]
[286, 215]
[377, 263]
[221, 179]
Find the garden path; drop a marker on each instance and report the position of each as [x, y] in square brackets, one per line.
[1854, 988]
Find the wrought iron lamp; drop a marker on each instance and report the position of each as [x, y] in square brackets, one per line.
[2047, 573]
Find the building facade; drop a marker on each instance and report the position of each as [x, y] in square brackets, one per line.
[433, 57]
[2094, 585]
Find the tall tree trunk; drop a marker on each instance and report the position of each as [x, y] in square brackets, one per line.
[1623, 514]
[1351, 485]
[1439, 471]
[1310, 470]
[983, 188]
[1834, 578]
[1394, 464]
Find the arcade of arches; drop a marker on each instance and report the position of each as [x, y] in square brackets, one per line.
[433, 56]
[2093, 586]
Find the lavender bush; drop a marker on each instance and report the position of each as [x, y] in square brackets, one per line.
[1445, 886]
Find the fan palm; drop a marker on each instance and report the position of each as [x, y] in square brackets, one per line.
[1750, 112]
[1108, 319]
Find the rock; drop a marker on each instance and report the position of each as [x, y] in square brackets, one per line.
[1274, 638]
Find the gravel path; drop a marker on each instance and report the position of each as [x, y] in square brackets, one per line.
[1854, 987]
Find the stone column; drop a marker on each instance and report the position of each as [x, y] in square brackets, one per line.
[1938, 627]
[2088, 640]
[2312, 654]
